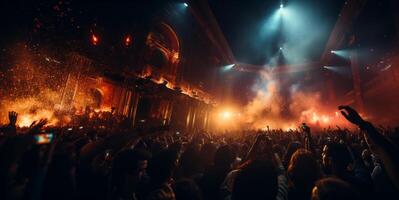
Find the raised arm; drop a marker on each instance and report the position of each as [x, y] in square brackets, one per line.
[309, 144]
[11, 128]
[381, 145]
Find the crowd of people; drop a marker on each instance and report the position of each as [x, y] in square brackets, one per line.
[114, 162]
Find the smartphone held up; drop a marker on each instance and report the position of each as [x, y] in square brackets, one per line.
[44, 138]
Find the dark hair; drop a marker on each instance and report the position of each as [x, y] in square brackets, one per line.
[291, 148]
[303, 171]
[333, 188]
[339, 155]
[189, 162]
[258, 180]
[303, 168]
[186, 189]
[162, 165]
[207, 155]
[126, 162]
[224, 156]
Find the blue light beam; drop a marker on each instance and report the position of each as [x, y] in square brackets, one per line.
[228, 67]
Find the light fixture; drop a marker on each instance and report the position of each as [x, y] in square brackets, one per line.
[228, 67]
[94, 39]
[128, 40]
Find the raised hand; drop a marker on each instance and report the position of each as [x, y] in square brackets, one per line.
[37, 125]
[351, 115]
[12, 116]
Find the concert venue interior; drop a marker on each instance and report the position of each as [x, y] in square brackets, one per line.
[198, 67]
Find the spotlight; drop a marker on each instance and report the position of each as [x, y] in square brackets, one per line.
[281, 10]
[343, 53]
[228, 67]
[342, 70]
[226, 115]
[281, 48]
[128, 40]
[185, 5]
[94, 39]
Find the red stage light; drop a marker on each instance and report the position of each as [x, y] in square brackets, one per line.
[94, 39]
[128, 40]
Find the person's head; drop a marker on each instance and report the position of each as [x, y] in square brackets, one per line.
[335, 158]
[291, 148]
[278, 149]
[333, 188]
[92, 134]
[129, 167]
[207, 155]
[366, 155]
[258, 180]
[303, 169]
[161, 166]
[224, 156]
[189, 162]
[186, 189]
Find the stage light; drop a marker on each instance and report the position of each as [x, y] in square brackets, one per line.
[343, 53]
[226, 115]
[228, 67]
[342, 70]
[185, 5]
[281, 10]
[94, 39]
[128, 40]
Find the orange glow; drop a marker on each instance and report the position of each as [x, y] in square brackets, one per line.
[128, 40]
[103, 109]
[228, 114]
[94, 39]
[186, 88]
[175, 57]
[225, 115]
[227, 118]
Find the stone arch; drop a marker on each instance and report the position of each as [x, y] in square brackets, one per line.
[171, 36]
[163, 50]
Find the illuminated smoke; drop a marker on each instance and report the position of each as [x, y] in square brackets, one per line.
[270, 108]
